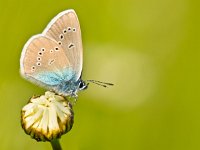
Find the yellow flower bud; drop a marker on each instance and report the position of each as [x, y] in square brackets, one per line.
[47, 117]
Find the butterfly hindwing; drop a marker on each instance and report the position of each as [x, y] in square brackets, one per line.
[65, 30]
[41, 62]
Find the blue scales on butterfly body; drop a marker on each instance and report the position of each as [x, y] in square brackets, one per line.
[70, 87]
[62, 81]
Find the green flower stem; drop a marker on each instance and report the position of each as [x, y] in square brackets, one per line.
[56, 144]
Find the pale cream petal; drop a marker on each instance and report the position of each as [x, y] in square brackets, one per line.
[47, 117]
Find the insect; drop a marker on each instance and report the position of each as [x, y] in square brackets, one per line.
[54, 58]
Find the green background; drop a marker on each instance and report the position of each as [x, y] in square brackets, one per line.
[148, 48]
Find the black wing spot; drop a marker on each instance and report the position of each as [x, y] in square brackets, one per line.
[61, 36]
[51, 61]
[33, 68]
[51, 51]
[42, 49]
[71, 45]
[38, 58]
[40, 53]
[69, 29]
[74, 29]
[60, 43]
[64, 31]
[39, 64]
[56, 49]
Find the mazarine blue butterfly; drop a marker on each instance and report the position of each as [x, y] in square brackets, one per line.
[54, 58]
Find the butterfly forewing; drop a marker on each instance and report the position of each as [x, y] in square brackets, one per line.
[41, 58]
[65, 30]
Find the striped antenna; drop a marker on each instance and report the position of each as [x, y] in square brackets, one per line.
[103, 84]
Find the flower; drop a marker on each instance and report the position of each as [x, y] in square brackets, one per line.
[47, 117]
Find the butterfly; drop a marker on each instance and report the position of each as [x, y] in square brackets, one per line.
[54, 58]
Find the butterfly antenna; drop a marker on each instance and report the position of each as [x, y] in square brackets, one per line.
[103, 84]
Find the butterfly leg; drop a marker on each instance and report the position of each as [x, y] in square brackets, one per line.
[74, 96]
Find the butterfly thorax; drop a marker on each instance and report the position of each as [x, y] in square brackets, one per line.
[70, 88]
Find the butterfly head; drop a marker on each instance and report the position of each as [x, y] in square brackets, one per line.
[82, 85]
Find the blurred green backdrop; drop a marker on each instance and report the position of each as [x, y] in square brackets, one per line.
[148, 49]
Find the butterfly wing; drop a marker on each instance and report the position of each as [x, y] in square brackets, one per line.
[44, 62]
[65, 30]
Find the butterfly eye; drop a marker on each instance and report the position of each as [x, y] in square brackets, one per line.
[81, 85]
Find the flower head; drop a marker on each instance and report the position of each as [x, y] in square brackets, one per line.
[47, 117]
